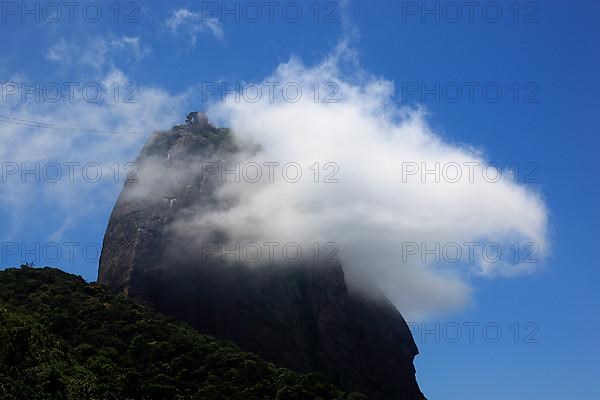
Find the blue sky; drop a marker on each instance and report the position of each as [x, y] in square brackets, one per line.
[546, 54]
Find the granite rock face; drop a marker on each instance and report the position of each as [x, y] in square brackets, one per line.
[302, 317]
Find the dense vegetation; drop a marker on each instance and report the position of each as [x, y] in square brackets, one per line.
[62, 338]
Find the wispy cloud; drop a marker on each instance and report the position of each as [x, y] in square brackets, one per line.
[191, 24]
[43, 133]
[131, 44]
[61, 52]
[98, 51]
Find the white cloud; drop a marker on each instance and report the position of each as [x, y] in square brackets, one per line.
[61, 52]
[370, 212]
[131, 44]
[193, 23]
[73, 202]
[98, 52]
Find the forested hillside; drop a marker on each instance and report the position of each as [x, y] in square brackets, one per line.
[63, 338]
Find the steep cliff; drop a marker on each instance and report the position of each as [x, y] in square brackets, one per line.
[302, 317]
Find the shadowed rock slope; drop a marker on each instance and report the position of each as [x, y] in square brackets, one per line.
[302, 317]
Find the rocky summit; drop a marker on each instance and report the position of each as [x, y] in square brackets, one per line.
[303, 317]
